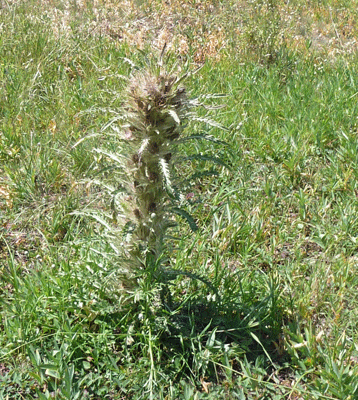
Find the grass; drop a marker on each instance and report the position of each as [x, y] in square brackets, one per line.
[260, 302]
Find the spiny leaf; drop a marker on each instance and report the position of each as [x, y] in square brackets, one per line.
[98, 217]
[191, 275]
[187, 216]
[212, 96]
[210, 122]
[203, 136]
[143, 146]
[110, 188]
[92, 135]
[166, 174]
[106, 169]
[204, 157]
[197, 175]
[112, 121]
[175, 116]
[198, 101]
[113, 201]
[112, 156]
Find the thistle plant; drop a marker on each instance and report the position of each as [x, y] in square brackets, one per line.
[148, 196]
[157, 108]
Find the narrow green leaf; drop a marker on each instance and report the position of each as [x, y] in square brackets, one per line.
[211, 339]
[263, 348]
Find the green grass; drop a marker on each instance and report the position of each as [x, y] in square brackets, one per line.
[260, 302]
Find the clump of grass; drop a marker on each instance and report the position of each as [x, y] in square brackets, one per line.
[261, 30]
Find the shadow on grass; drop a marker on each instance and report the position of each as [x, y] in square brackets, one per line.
[199, 337]
[181, 333]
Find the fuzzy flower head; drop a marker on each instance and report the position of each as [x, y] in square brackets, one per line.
[157, 106]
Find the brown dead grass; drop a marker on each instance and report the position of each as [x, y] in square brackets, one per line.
[202, 28]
